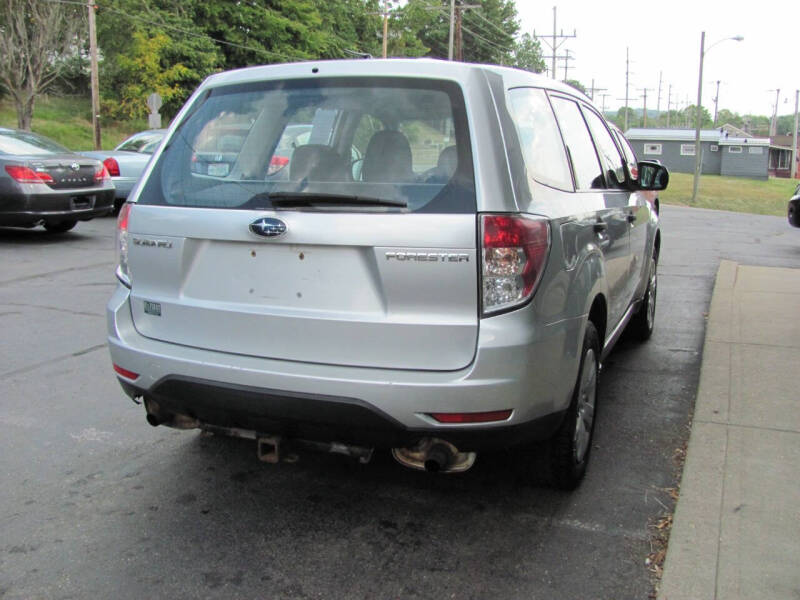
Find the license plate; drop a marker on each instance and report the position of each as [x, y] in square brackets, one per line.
[82, 202]
[218, 169]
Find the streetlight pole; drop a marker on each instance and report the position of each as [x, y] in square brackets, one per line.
[698, 158]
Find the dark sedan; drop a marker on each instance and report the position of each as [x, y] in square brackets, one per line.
[794, 208]
[43, 183]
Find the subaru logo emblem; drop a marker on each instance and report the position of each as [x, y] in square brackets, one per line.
[268, 227]
[75, 166]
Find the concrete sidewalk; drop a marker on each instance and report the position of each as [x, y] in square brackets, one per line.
[736, 532]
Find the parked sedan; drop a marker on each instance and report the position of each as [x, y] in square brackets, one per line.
[126, 162]
[43, 183]
[794, 208]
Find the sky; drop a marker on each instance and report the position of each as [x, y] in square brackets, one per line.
[663, 39]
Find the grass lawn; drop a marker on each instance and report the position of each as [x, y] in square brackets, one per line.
[731, 193]
[68, 121]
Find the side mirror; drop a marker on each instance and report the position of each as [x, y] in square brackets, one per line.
[652, 176]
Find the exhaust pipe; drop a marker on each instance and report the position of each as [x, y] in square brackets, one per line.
[156, 416]
[435, 456]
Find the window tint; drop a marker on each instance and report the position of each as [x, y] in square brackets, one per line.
[542, 147]
[402, 142]
[627, 151]
[588, 174]
[609, 153]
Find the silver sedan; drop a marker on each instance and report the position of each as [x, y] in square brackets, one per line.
[126, 162]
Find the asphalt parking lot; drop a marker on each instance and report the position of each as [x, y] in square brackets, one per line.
[96, 503]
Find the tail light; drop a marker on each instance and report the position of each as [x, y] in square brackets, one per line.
[22, 174]
[101, 174]
[123, 271]
[112, 165]
[276, 163]
[514, 252]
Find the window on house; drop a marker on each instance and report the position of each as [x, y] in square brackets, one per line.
[755, 150]
[687, 149]
[783, 159]
[654, 149]
[714, 148]
[734, 149]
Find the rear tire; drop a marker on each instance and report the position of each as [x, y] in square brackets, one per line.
[642, 323]
[561, 461]
[60, 226]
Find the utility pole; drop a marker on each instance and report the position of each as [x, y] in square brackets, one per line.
[452, 19]
[596, 89]
[385, 26]
[644, 114]
[627, 75]
[603, 105]
[716, 103]
[773, 126]
[669, 103]
[459, 40]
[567, 58]
[658, 101]
[459, 43]
[793, 170]
[555, 44]
[95, 79]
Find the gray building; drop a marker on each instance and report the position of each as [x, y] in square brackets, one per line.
[722, 153]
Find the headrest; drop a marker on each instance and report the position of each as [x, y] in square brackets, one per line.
[388, 158]
[316, 162]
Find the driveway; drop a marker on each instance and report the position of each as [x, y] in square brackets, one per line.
[96, 503]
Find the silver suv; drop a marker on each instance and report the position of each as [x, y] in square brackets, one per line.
[436, 266]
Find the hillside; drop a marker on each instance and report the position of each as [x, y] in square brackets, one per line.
[68, 121]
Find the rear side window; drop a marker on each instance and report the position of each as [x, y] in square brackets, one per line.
[542, 147]
[609, 153]
[580, 148]
[402, 142]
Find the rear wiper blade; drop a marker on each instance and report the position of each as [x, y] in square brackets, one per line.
[303, 199]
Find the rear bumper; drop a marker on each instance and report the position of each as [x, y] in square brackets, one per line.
[82, 205]
[320, 417]
[517, 366]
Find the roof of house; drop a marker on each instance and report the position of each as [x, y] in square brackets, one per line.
[688, 135]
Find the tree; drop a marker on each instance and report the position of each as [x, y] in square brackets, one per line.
[488, 31]
[528, 54]
[151, 46]
[33, 36]
[633, 120]
[577, 85]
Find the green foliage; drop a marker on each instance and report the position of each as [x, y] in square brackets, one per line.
[151, 47]
[68, 120]
[578, 86]
[528, 54]
[488, 32]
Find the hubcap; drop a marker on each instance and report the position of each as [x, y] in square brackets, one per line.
[651, 295]
[586, 402]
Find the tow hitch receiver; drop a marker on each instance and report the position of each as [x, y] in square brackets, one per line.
[268, 448]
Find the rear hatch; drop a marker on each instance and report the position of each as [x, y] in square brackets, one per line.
[358, 251]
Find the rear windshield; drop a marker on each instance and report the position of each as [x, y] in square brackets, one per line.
[27, 143]
[391, 143]
[144, 143]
